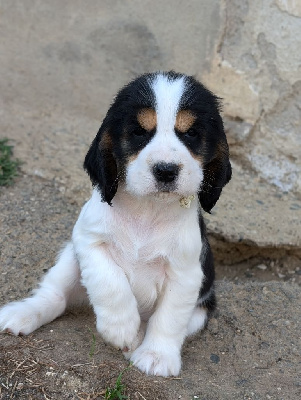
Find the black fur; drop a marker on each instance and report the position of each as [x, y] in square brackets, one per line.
[101, 165]
[217, 174]
[207, 297]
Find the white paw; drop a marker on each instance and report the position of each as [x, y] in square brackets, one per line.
[19, 318]
[119, 331]
[160, 361]
[24, 317]
[128, 351]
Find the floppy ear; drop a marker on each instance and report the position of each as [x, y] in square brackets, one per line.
[217, 173]
[101, 165]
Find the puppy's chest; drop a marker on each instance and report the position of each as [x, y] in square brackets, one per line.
[140, 248]
[141, 240]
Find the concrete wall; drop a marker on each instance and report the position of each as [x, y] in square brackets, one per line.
[63, 61]
[77, 54]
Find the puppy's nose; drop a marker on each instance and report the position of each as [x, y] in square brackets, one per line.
[166, 172]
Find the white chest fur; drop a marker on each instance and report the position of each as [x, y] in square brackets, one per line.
[141, 237]
[139, 247]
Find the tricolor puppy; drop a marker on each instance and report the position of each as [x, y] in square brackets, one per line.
[139, 250]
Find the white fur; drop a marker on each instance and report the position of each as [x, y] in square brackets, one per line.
[197, 321]
[138, 260]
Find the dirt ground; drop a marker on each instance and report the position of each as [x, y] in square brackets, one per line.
[249, 350]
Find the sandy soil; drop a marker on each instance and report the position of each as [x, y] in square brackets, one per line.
[250, 349]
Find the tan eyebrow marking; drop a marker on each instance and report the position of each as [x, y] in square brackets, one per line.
[147, 118]
[184, 120]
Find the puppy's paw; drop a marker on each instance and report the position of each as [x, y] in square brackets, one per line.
[128, 351]
[119, 331]
[19, 318]
[157, 360]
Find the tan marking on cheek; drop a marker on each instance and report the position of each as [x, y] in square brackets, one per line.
[106, 141]
[132, 158]
[184, 120]
[198, 157]
[147, 118]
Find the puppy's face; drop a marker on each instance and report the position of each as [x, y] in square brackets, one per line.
[165, 159]
[163, 134]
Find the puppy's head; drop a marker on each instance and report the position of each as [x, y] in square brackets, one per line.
[162, 134]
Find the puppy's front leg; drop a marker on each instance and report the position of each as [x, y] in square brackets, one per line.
[114, 304]
[160, 352]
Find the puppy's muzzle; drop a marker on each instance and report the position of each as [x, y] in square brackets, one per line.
[166, 173]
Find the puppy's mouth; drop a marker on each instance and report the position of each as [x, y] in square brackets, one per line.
[166, 187]
[167, 192]
[166, 196]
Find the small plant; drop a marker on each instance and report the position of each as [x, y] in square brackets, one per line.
[8, 167]
[117, 392]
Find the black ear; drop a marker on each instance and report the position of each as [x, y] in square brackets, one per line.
[217, 173]
[101, 165]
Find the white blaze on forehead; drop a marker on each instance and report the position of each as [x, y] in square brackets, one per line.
[168, 94]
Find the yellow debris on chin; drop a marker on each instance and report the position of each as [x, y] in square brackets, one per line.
[185, 202]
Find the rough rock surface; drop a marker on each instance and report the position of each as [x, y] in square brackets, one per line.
[256, 68]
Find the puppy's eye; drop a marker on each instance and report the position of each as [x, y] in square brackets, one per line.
[139, 132]
[191, 133]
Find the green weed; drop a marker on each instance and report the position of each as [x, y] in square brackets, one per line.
[117, 392]
[8, 166]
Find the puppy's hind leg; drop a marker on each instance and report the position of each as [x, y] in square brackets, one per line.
[58, 286]
[205, 306]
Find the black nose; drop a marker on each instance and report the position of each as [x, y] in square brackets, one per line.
[165, 172]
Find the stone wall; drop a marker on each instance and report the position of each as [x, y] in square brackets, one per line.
[256, 68]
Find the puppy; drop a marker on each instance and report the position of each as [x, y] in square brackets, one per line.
[139, 251]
